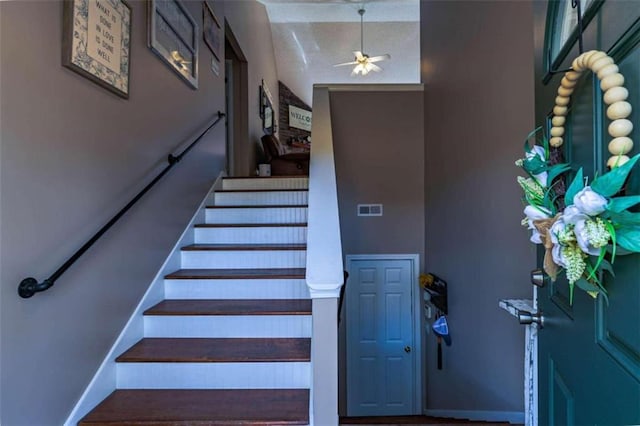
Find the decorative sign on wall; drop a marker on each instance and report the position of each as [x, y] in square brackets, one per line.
[96, 42]
[212, 32]
[173, 36]
[299, 118]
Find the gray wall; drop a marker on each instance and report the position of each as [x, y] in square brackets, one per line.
[250, 24]
[477, 67]
[71, 154]
[379, 151]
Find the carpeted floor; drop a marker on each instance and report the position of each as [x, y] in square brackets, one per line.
[411, 420]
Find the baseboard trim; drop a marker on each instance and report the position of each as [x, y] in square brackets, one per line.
[487, 416]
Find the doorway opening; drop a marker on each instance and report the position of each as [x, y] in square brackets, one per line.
[236, 100]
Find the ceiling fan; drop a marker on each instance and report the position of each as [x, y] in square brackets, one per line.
[363, 62]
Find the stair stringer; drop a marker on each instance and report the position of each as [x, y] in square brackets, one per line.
[104, 380]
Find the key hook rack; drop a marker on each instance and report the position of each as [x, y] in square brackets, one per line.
[575, 4]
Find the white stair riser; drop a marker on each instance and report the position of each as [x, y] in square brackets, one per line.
[241, 259]
[270, 198]
[256, 215]
[214, 375]
[266, 183]
[254, 235]
[236, 289]
[228, 326]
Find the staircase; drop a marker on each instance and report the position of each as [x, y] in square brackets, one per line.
[231, 342]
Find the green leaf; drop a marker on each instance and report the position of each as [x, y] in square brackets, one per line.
[556, 170]
[620, 204]
[593, 270]
[625, 218]
[527, 148]
[576, 186]
[629, 238]
[587, 286]
[605, 265]
[534, 165]
[612, 231]
[610, 183]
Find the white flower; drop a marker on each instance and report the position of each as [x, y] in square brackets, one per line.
[590, 202]
[539, 152]
[582, 237]
[559, 234]
[558, 257]
[572, 214]
[535, 213]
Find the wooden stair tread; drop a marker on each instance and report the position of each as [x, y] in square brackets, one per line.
[243, 247]
[202, 407]
[276, 273]
[263, 190]
[219, 350]
[232, 307]
[250, 225]
[261, 206]
[266, 177]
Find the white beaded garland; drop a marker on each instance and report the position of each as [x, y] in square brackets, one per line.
[620, 145]
[619, 110]
[617, 161]
[610, 81]
[608, 70]
[556, 142]
[620, 128]
[558, 121]
[615, 96]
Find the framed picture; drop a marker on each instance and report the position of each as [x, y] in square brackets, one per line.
[212, 31]
[173, 36]
[96, 42]
[265, 98]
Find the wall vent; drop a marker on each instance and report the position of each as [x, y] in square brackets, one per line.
[369, 209]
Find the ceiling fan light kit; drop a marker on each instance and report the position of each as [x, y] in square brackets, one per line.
[364, 64]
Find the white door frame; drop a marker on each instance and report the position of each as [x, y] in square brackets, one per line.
[417, 318]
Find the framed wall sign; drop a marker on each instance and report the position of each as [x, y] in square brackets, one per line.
[212, 33]
[96, 42]
[173, 36]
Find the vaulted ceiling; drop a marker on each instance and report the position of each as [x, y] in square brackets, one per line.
[310, 36]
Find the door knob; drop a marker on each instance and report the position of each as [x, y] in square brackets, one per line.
[407, 349]
[539, 278]
[527, 318]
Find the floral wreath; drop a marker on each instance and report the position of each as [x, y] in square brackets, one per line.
[583, 231]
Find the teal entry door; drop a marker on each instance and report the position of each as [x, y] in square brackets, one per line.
[589, 350]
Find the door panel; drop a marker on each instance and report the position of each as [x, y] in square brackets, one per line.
[589, 352]
[380, 374]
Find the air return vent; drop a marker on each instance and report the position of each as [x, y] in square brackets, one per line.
[369, 209]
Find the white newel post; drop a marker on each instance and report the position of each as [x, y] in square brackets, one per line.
[325, 269]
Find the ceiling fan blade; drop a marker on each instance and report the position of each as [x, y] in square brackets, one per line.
[346, 63]
[380, 58]
[374, 67]
[358, 68]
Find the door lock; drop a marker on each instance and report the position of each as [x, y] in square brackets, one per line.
[407, 349]
[539, 278]
[527, 318]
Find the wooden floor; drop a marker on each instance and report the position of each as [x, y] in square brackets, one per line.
[412, 420]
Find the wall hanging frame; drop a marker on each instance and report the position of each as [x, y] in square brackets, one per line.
[212, 31]
[96, 42]
[173, 36]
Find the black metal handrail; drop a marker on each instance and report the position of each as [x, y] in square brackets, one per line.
[30, 286]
